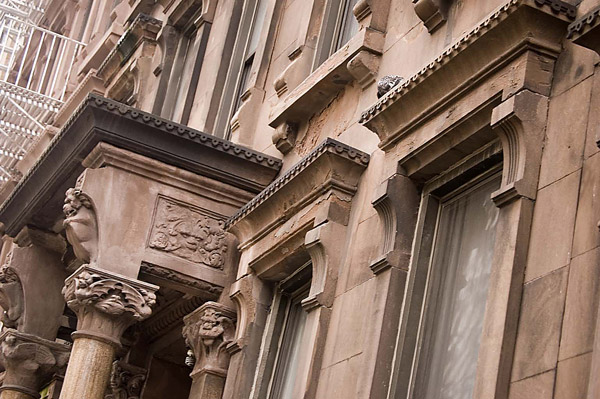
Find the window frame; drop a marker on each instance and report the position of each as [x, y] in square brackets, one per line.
[335, 19]
[415, 322]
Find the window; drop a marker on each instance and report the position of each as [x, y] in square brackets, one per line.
[339, 25]
[250, 53]
[456, 292]
[185, 73]
[292, 322]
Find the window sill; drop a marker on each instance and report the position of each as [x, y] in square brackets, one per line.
[357, 60]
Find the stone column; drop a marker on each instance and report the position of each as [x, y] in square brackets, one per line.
[28, 361]
[106, 304]
[207, 331]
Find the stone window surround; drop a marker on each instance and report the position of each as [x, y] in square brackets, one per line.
[315, 221]
[516, 113]
[357, 60]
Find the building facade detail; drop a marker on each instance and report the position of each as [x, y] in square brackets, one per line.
[126, 381]
[29, 361]
[189, 234]
[81, 225]
[106, 304]
[11, 295]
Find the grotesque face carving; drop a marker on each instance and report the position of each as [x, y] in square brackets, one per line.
[81, 225]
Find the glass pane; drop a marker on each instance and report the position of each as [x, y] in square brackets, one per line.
[461, 271]
[257, 24]
[287, 366]
[193, 45]
[348, 24]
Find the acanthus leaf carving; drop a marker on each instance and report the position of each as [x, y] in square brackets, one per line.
[207, 331]
[107, 304]
[126, 381]
[185, 232]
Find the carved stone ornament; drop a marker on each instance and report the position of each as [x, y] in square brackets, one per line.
[11, 295]
[29, 360]
[185, 232]
[208, 331]
[81, 225]
[126, 381]
[106, 303]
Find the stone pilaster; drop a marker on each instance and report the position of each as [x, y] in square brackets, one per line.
[28, 361]
[207, 331]
[106, 304]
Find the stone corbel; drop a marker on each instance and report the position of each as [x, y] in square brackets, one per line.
[284, 136]
[126, 381]
[81, 225]
[520, 121]
[28, 361]
[11, 295]
[106, 304]
[396, 202]
[364, 67]
[429, 12]
[325, 245]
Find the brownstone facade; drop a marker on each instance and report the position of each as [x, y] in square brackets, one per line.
[285, 199]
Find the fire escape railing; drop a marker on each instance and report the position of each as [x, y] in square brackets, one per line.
[35, 67]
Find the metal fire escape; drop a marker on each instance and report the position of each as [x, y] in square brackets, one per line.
[35, 66]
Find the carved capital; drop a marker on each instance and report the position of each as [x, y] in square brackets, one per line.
[126, 381]
[207, 331]
[29, 360]
[11, 295]
[106, 303]
[81, 225]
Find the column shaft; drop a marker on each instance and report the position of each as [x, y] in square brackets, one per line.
[89, 369]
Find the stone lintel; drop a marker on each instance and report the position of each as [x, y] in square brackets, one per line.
[38, 198]
[331, 166]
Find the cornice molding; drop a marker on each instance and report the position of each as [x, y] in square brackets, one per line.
[538, 24]
[328, 146]
[585, 31]
[98, 119]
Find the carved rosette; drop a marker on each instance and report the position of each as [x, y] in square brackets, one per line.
[126, 381]
[106, 303]
[29, 360]
[11, 295]
[207, 331]
[81, 225]
[185, 232]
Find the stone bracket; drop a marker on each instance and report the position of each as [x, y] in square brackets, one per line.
[396, 202]
[520, 123]
[429, 12]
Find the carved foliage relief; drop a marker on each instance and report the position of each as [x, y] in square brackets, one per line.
[126, 381]
[188, 233]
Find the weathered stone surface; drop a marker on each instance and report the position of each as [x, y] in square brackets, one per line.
[572, 377]
[539, 386]
[565, 133]
[536, 349]
[587, 235]
[550, 249]
[581, 305]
